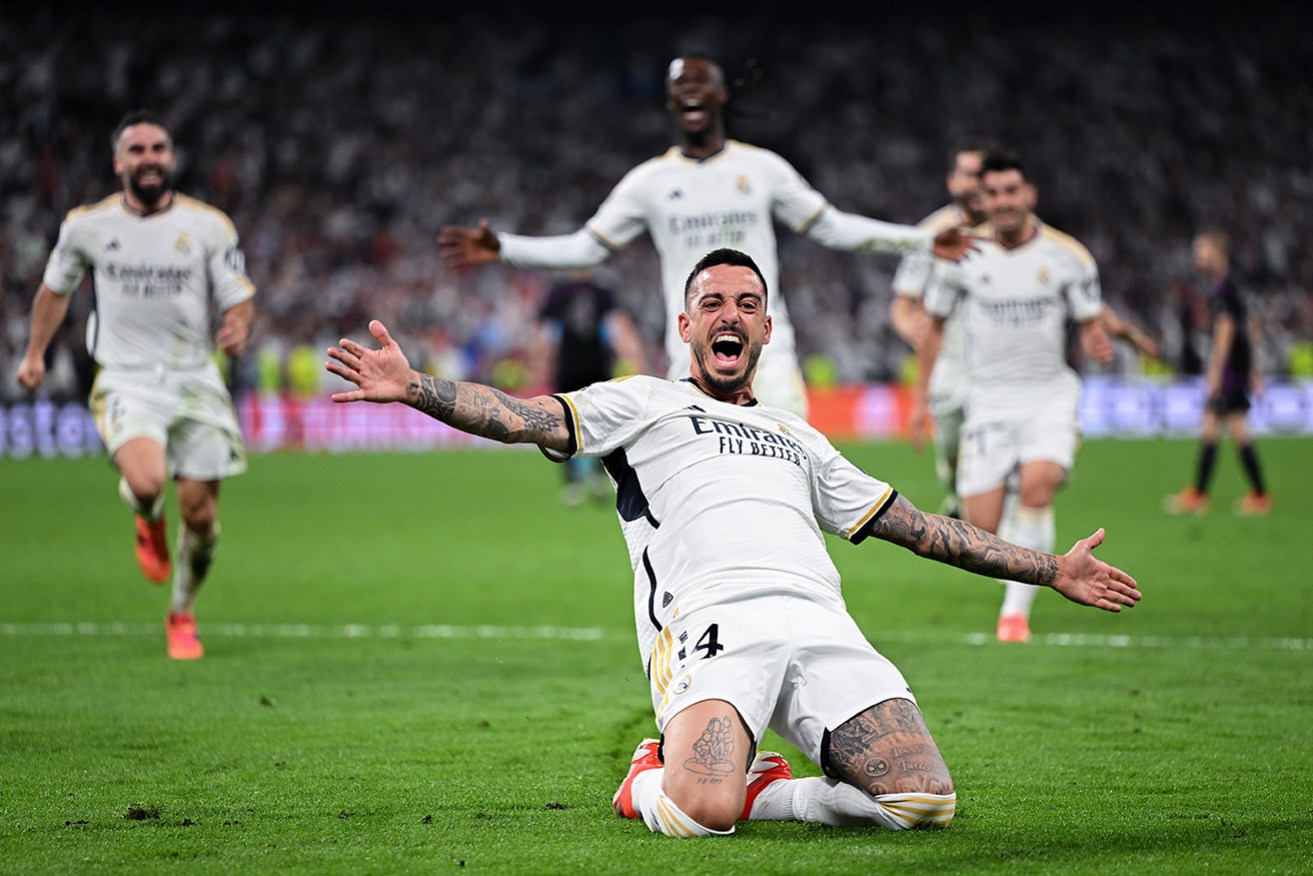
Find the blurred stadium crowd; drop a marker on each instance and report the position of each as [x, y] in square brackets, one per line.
[341, 141]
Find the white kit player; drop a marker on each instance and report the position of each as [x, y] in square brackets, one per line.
[704, 193]
[1015, 298]
[948, 382]
[158, 260]
[741, 623]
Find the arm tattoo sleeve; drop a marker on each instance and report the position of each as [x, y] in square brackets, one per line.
[482, 410]
[963, 545]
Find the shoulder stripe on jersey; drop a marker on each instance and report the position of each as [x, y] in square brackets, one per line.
[863, 528]
[1067, 242]
[102, 204]
[200, 206]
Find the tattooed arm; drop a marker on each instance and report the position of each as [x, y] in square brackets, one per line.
[1077, 575]
[384, 375]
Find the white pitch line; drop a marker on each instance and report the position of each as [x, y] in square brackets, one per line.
[314, 631]
[590, 634]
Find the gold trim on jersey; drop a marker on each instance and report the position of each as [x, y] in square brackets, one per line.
[867, 517]
[103, 203]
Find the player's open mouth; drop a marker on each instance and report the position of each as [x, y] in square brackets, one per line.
[727, 348]
[693, 110]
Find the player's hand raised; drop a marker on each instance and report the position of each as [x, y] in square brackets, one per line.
[382, 375]
[468, 247]
[954, 244]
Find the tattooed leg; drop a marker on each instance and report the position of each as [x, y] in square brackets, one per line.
[887, 749]
[707, 750]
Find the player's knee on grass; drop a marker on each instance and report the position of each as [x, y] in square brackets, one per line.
[669, 818]
[887, 750]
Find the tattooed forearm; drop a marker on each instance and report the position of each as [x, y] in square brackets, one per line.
[961, 544]
[482, 410]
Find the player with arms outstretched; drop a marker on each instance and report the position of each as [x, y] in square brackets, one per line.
[708, 191]
[741, 624]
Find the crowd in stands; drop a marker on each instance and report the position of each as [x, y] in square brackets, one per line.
[340, 142]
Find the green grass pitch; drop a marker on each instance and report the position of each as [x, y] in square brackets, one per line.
[423, 663]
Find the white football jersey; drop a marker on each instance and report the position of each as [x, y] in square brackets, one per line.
[153, 277]
[948, 379]
[1015, 305]
[691, 207]
[718, 501]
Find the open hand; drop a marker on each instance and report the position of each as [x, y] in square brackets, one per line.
[468, 247]
[1089, 581]
[382, 375]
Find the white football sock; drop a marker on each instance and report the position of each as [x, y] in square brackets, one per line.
[660, 813]
[150, 510]
[1032, 528]
[839, 804]
[191, 563]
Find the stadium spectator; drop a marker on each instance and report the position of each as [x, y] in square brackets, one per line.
[158, 258]
[1015, 299]
[723, 502]
[1231, 376]
[323, 137]
[705, 192]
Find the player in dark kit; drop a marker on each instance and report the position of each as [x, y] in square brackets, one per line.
[584, 337]
[1231, 378]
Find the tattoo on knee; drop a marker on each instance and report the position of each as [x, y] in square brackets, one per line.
[713, 752]
[887, 750]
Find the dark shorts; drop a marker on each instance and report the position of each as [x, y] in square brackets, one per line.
[1234, 397]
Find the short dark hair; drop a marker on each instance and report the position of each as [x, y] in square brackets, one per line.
[1002, 159]
[724, 256]
[136, 117]
[983, 145]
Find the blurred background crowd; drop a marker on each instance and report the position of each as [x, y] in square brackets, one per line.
[341, 140]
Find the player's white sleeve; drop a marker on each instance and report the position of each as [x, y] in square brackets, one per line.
[942, 290]
[1084, 295]
[67, 263]
[620, 218]
[561, 251]
[227, 267]
[913, 274]
[839, 230]
[844, 498]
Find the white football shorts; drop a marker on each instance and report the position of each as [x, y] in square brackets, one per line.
[187, 411]
[798, 666]
[997, 439]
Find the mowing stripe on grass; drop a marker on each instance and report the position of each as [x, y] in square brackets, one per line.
[488, 631]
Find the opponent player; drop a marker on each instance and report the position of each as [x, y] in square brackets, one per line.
[158, 258]
[706, 192]
[1016, 296]
[1231, 377]
[741, 624]
[582, 335]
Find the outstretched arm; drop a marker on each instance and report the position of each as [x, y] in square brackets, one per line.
[1077, 575]
[384, 375]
